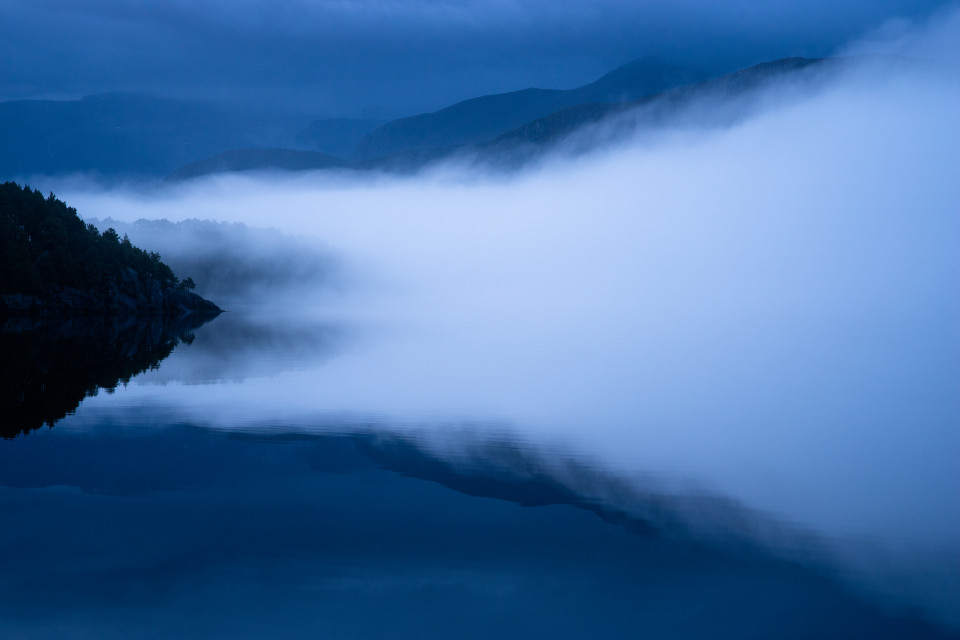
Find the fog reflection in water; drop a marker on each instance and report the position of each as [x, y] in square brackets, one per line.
[308, 470]
[181, 530]
[850, 516]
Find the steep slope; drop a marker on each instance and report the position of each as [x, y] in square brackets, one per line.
[642, 77]
[726, 99]
[480, 119]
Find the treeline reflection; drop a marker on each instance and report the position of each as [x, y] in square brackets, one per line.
[48, 369]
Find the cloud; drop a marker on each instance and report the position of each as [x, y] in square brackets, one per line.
[933, 38]
[344, 57]
[803, 259]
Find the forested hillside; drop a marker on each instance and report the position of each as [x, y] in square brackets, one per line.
[46, 244]
[50, 260]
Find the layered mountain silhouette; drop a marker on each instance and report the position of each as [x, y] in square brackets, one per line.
[132, 134]
[127, 134]
[724, 101]
[710, 103]
[622, 103]
[480, 119]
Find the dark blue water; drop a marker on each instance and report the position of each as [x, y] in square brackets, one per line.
[161, 510]
[178, 531]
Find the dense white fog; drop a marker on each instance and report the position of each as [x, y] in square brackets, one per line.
[800, 269]
[767, 311]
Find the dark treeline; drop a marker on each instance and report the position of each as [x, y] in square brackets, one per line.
[45, 244]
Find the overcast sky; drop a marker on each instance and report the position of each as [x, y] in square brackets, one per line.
[388, 57]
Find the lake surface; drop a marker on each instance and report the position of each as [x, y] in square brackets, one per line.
[236, 488]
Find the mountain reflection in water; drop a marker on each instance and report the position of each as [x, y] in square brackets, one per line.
[187, 532]
[232, 490]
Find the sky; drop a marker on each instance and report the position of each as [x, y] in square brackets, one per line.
[386, 58]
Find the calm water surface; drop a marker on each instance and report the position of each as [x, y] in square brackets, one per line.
[326, 476]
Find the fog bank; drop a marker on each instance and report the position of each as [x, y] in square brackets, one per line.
[769, 310]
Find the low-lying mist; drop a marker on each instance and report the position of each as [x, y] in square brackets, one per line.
[770, 309]
[232, 263]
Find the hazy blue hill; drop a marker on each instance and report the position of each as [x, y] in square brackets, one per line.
[724, 100]
[336, 136]
[410, 162]
[257, 160]
[557, 124]
[642, 77]
[715, 102]
[126, 134]
[481, 119]
[119, 135]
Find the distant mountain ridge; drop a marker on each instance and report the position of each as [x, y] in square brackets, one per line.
[126, 134]
[725, 100]
[483, 118]
[130, 135]
[730, 95]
